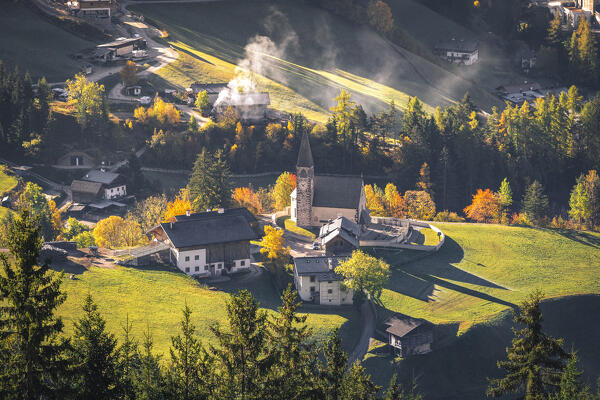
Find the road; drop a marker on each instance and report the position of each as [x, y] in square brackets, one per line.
[367, 320]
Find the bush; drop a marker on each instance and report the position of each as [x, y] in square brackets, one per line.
[520, 219]
[448, 216]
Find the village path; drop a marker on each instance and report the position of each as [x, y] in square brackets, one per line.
[367, 320]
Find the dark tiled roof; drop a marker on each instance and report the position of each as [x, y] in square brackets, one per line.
[322, 267]
[340, 223]
[240, 211]
[337, 191]
[100, 176]
[221, 228]
[121, 42]
[86, 187]
[401, 325]
[305, 158]
[466, 46]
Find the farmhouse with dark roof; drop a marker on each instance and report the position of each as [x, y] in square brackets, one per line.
[98, 184]
[318, 199]
[409, 336]
[209, 243]
[339, 236]
[316, 281]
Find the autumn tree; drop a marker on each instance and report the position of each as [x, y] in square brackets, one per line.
[395, 205]
[505, 200]
[179, 206]
[579, 203]
[380, 16]
[129, 73]
[424, 182]
[150, 211]
[364, 274]
[284, 186]
[90, 104]
[273, 247]
[419, 205]
[159, 115]
[115, 231]
[202, 102]
[535, 360]
[375, 198]
[245, 197]
[485, 206]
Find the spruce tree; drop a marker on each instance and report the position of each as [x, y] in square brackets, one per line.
[209, 183]
[535, 360]
[396, 392]
[148, 379]
[186, 382]
[32, 363]
[334, 370]
[241, 355]
[571, 387]
[128, 361]
[579, 202]
[506, 200]
[535, 202]
[357, 384]
[95, 355]
[293, 353]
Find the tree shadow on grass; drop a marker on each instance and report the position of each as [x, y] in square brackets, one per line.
[418, 279]
[580, 237]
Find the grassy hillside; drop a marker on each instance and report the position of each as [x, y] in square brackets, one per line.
[313, 55]
[459, 369]
[155, 298]
[7, 182]
[36, 45]
[484, 269]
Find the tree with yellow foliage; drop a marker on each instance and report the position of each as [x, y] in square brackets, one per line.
[55, 216]
[129, 73]
[273, 245]
[179, 206]
[485, 206]
[395, 205]
[245, 197]
[419, 205]
[375, 200]
[284, 186]
[114, 231]
[159, 115]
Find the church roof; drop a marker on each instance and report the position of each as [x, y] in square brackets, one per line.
[305, 158]
[337, 191]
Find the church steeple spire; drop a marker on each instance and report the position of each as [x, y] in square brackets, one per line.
[305, 158]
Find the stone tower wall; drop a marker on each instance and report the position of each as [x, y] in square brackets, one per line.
[304, 195]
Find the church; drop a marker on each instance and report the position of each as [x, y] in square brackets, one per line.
[318, 199]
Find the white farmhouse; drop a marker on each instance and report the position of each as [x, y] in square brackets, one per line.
[458, 51]
[316, 281]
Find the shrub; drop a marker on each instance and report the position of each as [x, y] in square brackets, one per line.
[448, 216]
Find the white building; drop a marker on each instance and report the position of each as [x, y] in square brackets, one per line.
[458, 51]
[210, 243]
[316, 281]
[113, 185]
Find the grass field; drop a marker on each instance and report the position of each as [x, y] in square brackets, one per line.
[36, 45]
[484, 269]
[155, 297]
[7, 182]
[313, 55]
[289, 225]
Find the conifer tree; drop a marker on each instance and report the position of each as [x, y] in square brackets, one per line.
[571, 387]
[396, 392]
[535, 202]
[148, 379]
[554, 31]
[424, 182]
[209, 183]
[535, 360]
[357, 384]
[505, 199]
[95, 355]
[292, 352]
[240, 356]
[32, 363]
[579, 203]
[128, 361]
[187, 355]
[334, 370]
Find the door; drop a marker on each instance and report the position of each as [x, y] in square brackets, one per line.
[212, 270]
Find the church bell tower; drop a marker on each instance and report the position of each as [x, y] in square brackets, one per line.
[305, 177]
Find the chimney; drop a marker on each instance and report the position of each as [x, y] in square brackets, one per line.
[221, 211]
[187, 213]
[171, 224]
[330, 264]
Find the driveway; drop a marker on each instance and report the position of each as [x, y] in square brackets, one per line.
[367, 321]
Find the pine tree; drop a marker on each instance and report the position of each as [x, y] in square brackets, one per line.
[209, 183]
[128, 361]
[535, 202]
[505, 199]
[148, 379]
[32, 360]
[292, 352]
[571, 387]
[424, 182]
[187, 355]
[592, 187]
[579, 203]
[240, 356]
[357, 384]
[334, 370]
[535, 360]
[396, 392]
[95, 355]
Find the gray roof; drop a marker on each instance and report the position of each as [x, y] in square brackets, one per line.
[305, 158]
[103, 177]
[340, 223]
[121, 42]
[211, 88]
[337, 191]
[462, 46]
[322, 267]
[102, 204]
[220, 228]
[239, 211]
[86, 187]
[401, 325]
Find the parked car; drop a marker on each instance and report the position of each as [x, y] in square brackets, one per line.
[316, 246]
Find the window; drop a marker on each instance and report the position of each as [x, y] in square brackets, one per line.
[197, 269]
[187, 258]
[330, 300]
[312, 289]
[312, 278]
[206, 267]
[329, 282]
[220, 265]
[187, 269]
[242, 263]
[196, 257]
[329, 291]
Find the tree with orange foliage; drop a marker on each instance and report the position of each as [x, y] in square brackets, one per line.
[395, 206]
[245, 197]
[284, 186]
[485, 206]
[179, 206]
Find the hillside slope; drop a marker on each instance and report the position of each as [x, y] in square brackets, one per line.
[36, 45]
[312, 53]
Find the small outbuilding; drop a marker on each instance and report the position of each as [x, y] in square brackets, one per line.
[339, 236]
[135, 90]
[409, 336]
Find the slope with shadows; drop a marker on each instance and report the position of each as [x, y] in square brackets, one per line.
[310, 52]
